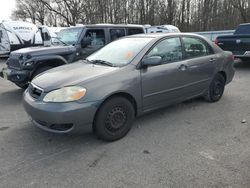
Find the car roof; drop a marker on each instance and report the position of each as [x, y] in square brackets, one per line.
[110, 26]
[162, 35]
[244, 24]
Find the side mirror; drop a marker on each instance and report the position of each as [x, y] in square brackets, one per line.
[151, 61]
[85, 42]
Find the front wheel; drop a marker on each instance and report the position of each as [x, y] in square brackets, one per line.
[114, 119]
[216, 88]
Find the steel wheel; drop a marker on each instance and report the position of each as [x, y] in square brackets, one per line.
[114, 119]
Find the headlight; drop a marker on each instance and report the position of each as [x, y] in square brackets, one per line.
[29, 63]
[66, 94]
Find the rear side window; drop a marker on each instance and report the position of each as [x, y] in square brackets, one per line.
[116, 34]
[134, 31]
[96, 36]
[169, 50]
[195, 47]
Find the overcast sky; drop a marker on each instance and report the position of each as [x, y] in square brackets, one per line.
[6, 8]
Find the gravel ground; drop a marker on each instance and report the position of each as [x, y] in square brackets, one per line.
[193, 144]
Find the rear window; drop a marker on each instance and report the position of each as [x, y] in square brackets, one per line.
[243, 30]
[134, 31]
[116, 34]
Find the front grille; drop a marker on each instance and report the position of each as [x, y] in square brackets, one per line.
[56, 127]
[13, 61]
[35, 91]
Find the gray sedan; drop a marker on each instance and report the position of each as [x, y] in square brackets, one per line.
[127, 78]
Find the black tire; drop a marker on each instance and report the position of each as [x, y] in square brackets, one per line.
[114, 119]
[40, 70]
[216, 88]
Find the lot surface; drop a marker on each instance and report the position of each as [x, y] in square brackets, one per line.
[193, 144]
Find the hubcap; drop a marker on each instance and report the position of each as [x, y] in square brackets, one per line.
[115, 119]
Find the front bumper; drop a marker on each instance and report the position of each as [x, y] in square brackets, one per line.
[60, 117]
[16, 76]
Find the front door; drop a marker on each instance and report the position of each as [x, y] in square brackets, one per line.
[166, 83]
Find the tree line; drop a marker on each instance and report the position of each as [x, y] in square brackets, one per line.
[188, 15]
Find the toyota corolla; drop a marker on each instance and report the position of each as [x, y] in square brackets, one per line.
[127, 78]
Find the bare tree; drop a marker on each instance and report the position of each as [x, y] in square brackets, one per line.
[35, 10]
[189, 15]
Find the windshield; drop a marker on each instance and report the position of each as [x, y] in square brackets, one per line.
[120, 52]
[70, 36]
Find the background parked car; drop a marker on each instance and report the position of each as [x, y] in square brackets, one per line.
[238, 43]
[212, 35]
[72, 44]
[49, 34]
[161, 29]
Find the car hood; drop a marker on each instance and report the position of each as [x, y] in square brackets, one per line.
[71, 74]
[42, 50]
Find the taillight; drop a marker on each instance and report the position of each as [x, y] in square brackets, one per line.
[216, 41]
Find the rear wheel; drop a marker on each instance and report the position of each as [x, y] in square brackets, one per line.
[216, 88]
[114, 119]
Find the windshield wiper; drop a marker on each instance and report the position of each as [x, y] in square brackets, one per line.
[97, 61]
[60, 40]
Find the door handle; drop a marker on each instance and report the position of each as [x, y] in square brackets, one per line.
[212, 60]
[183, 67]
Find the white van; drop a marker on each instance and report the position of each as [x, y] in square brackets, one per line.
[161, 29]
[17, 34]
[49, 34]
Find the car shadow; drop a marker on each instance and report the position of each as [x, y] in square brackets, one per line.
[86, 136]
[172, 109]
[11, 97]
[39, 146]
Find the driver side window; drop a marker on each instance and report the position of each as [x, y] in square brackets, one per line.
[170, 50]
[96, 37]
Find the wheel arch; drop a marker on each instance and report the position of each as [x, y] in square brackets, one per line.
[55, 62]
[125, 95]
[223, 73]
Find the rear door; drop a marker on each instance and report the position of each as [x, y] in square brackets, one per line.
[201, 63]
